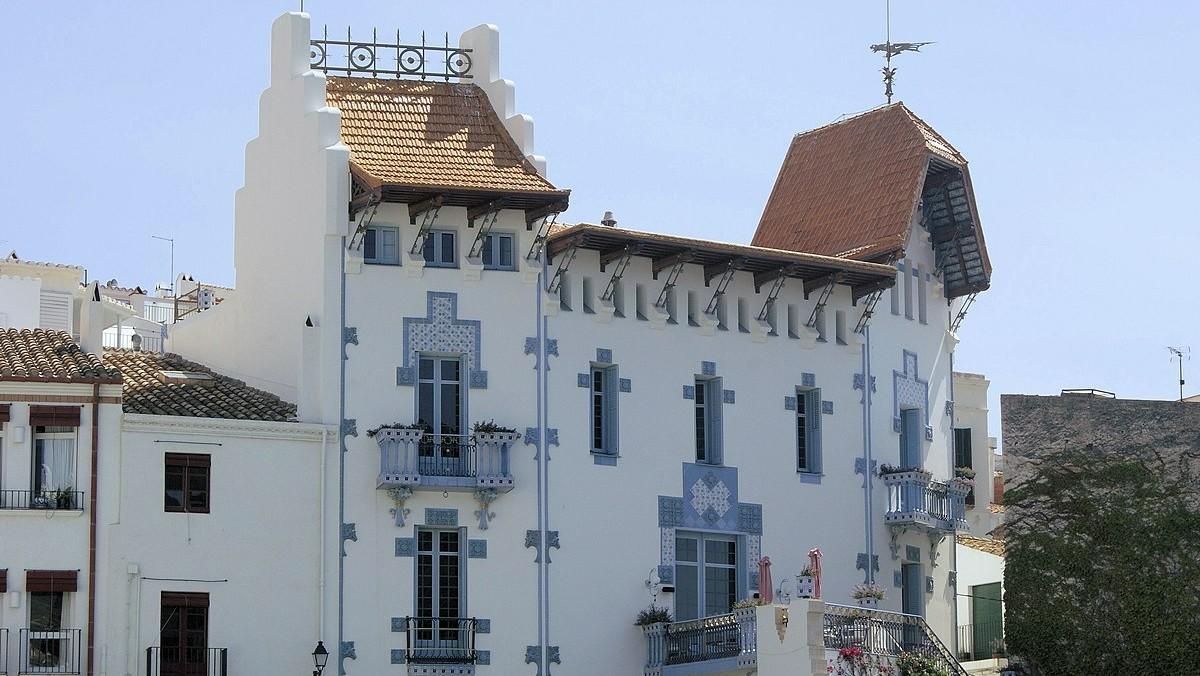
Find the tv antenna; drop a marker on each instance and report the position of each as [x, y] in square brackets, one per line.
[1180, 353]
[172, 241]
[891, 49]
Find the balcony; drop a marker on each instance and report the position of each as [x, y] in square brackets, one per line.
[915, 499]
[411, 458]
[48, 500]
[172, 661]
[981, 641]
[721, 643]
[49, 652]
[441, 640]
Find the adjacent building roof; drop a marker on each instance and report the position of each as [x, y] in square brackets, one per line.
[763, 262]
[416, 139]
[40, 355]
[854, 188]
[167, 384]
[995, 547]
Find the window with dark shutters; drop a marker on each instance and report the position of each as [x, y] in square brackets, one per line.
[187, 480]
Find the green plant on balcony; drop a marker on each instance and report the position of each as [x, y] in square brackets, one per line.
[868, 591]
[916, 664]
[652, 615]
[398, 426]
[964, 473]
[63, 498]
[491, 427]
[746, 603]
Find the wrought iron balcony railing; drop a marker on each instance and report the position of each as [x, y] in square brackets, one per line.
[52, 499]
[183, 661]
[49, 652]
[733, 636]
[981, 641]
[410, 457]
[883, 632]
[440, 640]
[913, 497]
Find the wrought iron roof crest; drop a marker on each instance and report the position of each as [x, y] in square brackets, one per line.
[372, 58]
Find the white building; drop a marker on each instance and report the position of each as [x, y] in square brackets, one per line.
[667, 411]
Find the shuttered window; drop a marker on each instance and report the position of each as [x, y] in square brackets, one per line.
[51, 580]
[3, 580]
[605, 385]
[808, 430]
[54, 416]
[709, 427]
[4, 413]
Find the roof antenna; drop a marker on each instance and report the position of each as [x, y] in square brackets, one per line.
[891, 49]
[1180, 353]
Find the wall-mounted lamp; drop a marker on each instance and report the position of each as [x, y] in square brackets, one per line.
[320, 658]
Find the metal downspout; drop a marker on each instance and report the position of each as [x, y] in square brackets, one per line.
[543, 449]
[91, 642]
[867, 454]
[341, 342]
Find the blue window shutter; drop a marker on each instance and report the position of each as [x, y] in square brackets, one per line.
[814, 429]
[369, 245]
[611, 399]
[716, 434]
[910, 438]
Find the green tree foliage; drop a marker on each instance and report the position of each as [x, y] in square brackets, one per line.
[1102, 571]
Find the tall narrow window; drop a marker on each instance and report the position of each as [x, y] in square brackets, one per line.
[910, 438]
[440, 629]
[808, 430]
[605, 386]
[53, 464]
[707, 422]
[440, 249]
[908, 291]
[381, 246]
[187, 482]
[443, 449]
[922, 301]
[183, 634]
[962, 447]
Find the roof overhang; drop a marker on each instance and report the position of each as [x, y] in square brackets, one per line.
[765, 264]
[367, 188]
[952, 219]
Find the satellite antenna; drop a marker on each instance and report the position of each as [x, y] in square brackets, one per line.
[891, 49]
[172, 241]
[1180, 353]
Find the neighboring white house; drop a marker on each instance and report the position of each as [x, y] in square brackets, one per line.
[680, 407]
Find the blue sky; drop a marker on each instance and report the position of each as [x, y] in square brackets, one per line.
[126, 120]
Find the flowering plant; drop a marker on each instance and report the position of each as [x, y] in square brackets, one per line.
[808, 572]
[916, 664]
[868, 591]
[854, 661]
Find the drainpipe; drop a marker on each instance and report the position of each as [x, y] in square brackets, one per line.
[91, 621]
[341, 343]
[543, 479]
[867, 477]
[320, 543]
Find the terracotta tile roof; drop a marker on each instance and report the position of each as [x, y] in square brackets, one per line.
[147, 390]
[851, 189]
[982, 544]
[430, 134]
[39, 355]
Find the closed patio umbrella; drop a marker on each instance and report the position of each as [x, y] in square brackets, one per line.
[766, 590]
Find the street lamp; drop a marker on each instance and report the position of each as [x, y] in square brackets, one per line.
[320, 658]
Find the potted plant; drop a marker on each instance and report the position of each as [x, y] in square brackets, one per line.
[63, 498]
[868, 595]
[386, 430]
[805, 583]
[916, 664]
[964, 474]
[490, 432]
[652, 615]
[746, 603]
[886, 469]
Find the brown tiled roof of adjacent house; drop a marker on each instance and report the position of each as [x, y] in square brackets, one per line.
[851, 188]
[39, 355]
[429, 134]
[161, 384]
[982, 544]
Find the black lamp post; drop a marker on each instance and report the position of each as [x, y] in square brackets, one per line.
[320, 658]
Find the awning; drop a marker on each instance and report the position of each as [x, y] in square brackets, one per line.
[54, 416]
[51, 580]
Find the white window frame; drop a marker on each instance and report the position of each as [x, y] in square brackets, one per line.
[491, 250]
[73, 436]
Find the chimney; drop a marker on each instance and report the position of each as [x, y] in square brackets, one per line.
[608, 221]
[91, 321]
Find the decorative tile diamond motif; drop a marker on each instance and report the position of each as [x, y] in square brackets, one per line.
[689, 391]
[827, 407]
[442, 331]
[603, 356]
[808, 380]
[477, 549]
[708, 368]
[727, 396]
[789, 403]
[749, 519]
[406, 547]
[910, 391]
[441, 517]
[710, 498]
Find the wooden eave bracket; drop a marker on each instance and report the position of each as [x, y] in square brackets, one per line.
[429, 204]
[556, 207]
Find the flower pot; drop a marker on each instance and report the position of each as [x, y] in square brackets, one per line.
[804, 586]
[868, 602]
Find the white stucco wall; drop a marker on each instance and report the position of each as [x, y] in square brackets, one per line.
[971, 411]
[20, 298]
[257, 553]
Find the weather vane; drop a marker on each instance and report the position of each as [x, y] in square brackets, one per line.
[891, 49]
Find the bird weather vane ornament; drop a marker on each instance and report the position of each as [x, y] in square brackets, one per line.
[891, 49]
